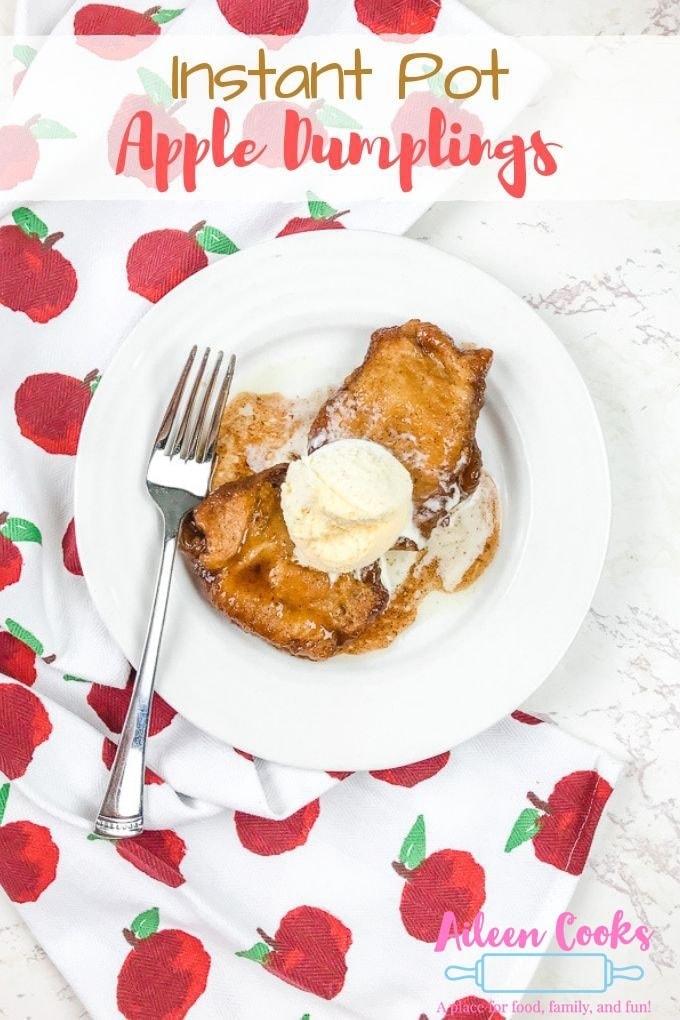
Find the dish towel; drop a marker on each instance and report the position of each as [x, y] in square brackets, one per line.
[257, 890]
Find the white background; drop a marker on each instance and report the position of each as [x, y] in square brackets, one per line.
[606, 278]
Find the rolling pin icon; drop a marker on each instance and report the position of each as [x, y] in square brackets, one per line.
[579, 972]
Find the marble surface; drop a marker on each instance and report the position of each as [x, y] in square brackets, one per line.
[606, 279]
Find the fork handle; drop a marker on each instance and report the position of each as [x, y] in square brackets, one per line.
[122, 811]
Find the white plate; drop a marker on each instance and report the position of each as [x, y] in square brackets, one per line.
[298, 313]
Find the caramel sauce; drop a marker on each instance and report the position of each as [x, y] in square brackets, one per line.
[403, 607]
[259, 430]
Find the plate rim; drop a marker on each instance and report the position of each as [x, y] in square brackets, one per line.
[348, 238]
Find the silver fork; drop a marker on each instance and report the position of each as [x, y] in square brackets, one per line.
[177, 478]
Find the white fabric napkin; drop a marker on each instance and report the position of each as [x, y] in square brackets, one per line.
[258, 889]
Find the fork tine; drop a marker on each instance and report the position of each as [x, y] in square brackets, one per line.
[175, 400]
[203, 410]
[208, 443]
[179, 442]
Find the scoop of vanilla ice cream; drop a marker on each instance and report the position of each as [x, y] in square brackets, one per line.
[346, 504]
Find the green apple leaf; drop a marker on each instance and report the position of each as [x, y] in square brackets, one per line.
[74, 679]
[331, 117]
[24, 635]
[259, 952]
[305, 1017]
[526, 827]
[146, 923]
[46, 128]
[29, 222]
[319, 210]
[412, 852]
[213, 240]
[24, 54]
[164, 16]
[436, 84]
[4, 794]
[158, 91]
[16, 529]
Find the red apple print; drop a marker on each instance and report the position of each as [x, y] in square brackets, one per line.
[158, 853]
[446, 880]
[411, 775]
[162, 259]
[111, 705]
[308, 951]
[562, 829]
[50, 409]
[24, 726]
[265, 123]
[164, 973]
[13, 530]
[340, 775]
[69, 550]
[158, 261]
[28, 857]
[35, 278]
[267, 837]
[401, 20]
[17, 659]
[117, 33]
[244, 754]
[468, 1008]
[109, 753]
[274, 21]
[524, 717]
[19, 155]
[321, 217]
[11, 563]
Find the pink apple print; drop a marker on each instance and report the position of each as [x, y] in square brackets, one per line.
[19, 149]
[265, 123]
[25, 55]
[160, 105]
[413, 117]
